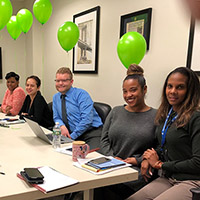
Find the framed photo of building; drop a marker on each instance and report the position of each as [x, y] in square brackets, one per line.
[193, 58]
[85, 53]
[139, 21]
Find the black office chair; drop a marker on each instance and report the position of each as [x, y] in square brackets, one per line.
[102, 109]
[50, 106]
[195, 193]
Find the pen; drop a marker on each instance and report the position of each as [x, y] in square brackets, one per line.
[6, 119]
[92, 150]
[2, 173]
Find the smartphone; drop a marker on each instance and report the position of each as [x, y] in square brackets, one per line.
[99, 160]
[33, 173]
[33, 181]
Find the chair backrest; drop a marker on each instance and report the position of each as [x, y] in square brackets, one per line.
[102, 109]
[50, 106]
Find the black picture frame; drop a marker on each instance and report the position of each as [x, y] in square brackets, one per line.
[1, 75]
[86, 51]
[194, 40]
[139, 21]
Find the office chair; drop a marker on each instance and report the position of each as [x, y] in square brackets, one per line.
[195, 193]
[50, 106]
[102, 109]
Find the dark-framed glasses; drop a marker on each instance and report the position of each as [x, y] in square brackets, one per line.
[62, 80]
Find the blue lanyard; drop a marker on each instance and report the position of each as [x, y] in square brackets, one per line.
[164, 129]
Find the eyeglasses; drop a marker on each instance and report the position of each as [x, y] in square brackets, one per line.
[63, 80]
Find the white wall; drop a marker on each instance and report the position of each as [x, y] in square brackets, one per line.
[13, 54]
[168, 47]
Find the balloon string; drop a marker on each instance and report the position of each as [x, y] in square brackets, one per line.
[68, 58]
[42, 59]
[1, 36]
[16, 58]
[25, 52]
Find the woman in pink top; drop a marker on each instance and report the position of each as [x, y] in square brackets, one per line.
[14, 96]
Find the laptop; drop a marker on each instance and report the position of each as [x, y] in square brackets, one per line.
[37, 130]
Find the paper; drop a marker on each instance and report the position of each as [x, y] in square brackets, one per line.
[83, 161]
[66, 150]
[11, 121]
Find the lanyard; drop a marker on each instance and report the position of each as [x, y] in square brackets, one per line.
[164, 129]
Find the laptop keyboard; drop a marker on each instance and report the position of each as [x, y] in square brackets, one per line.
[63, 138]
[50, 137]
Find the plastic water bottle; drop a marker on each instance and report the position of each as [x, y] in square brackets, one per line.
[56, 136]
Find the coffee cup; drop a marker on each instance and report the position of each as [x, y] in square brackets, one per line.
[79, 150]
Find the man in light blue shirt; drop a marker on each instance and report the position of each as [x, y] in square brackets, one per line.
[83, 122]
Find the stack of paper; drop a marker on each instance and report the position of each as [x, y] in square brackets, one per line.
[10, 121]
[103, 168]
[53, 180]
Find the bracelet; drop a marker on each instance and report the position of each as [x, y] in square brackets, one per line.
[158, 164]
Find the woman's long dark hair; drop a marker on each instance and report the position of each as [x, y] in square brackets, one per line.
[190, 103]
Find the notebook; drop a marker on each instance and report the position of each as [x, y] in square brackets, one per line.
[53, 180]
[37, 130]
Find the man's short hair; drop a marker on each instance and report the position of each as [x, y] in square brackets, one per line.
[65, 70]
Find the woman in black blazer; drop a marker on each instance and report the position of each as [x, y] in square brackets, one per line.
[35, 106]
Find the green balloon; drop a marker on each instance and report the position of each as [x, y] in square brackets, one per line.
[5, 12]
[68, 35]
[131, 48]
[24, 19]
[42, 10]
[13, 28]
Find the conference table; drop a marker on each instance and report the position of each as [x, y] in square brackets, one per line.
[20, 148]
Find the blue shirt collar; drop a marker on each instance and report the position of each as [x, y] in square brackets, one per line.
[69, 91]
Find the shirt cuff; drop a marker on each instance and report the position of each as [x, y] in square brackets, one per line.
[74, 135]
[139, 160]
[168, 166]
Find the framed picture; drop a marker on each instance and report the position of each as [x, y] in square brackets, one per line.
[193, 58]
[139, 21]
[85, 53]
[1, 75]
